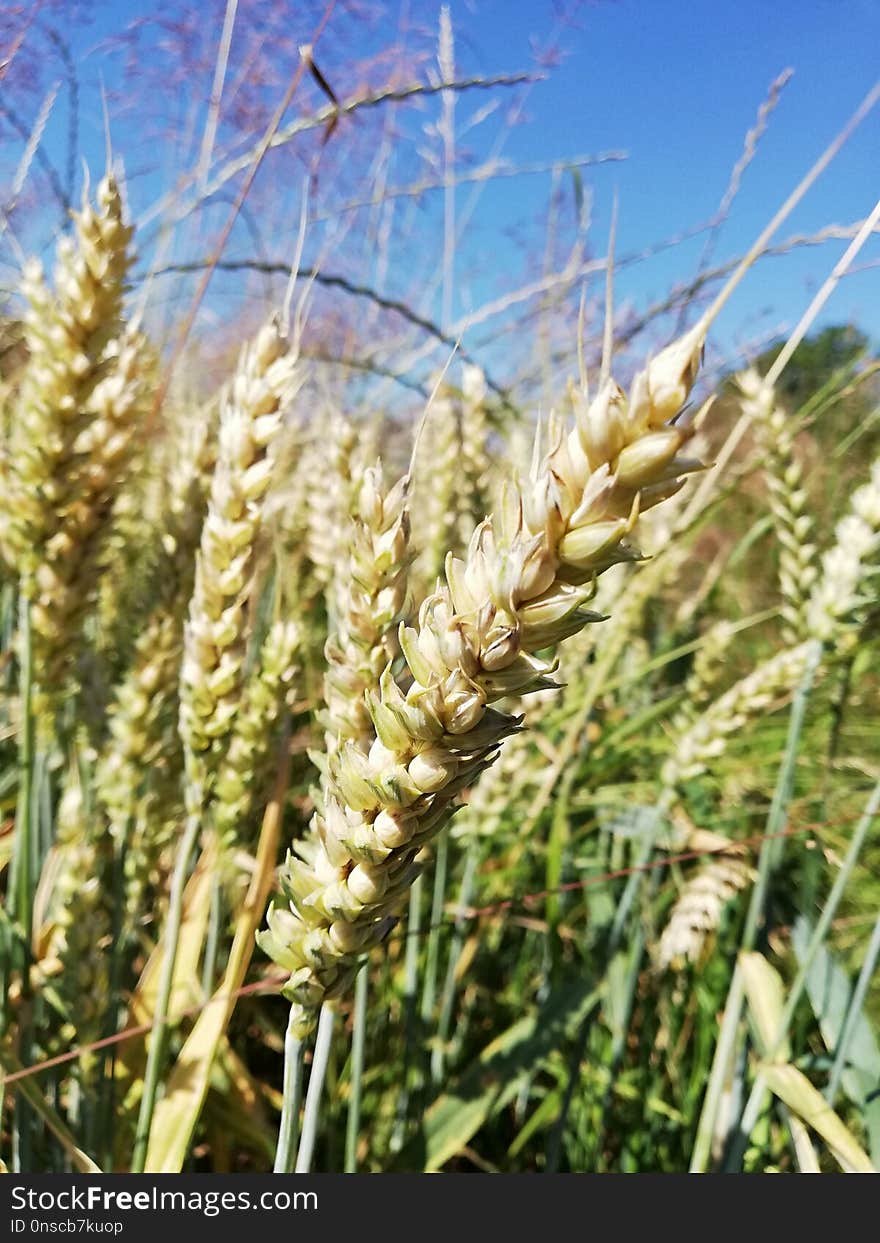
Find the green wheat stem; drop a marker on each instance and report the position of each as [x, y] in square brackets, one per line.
[212, 945]
[853, 1011]
[23, 873]
[410, 992]
[432, 953]
[447, 1001]
[771, 846]
[358, 1043]
[312, 1110]
[721, 1060]
[288, 1130]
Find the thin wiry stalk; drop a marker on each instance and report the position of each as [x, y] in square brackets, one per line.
[721, 1061]
[288, 1131]
[312, 1111]
[216, 94]
[446, 62]
[409, 1073]
[750, 147]
[447, 1002]
[22, 879]
[853, 1014]
[320, 119]
[432, 953]
[776, 817]
[358, 1043]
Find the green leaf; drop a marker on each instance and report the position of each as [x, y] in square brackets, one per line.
[29, 1089]
[542, 1116]
[765, 995]
[490, 1082]
[829, 988]
[177, 1114]
[795, 1090]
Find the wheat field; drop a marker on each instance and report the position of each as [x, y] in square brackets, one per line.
[450, 775]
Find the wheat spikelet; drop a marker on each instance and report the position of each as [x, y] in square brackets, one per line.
[504, 781]
[705, 672]
[329, 478]
[163, 505]
[71, 438]
[840, 593]
[435, 516]
[135, 717]
[520, 589]
[75, 957]
[833, 604]
[698, 909]
[789, 502]
[263, 700]
[140, 760]
[473, 477]
[133, 531]
[364, 640]
[707, 738]
[138, 774]
[215, 636]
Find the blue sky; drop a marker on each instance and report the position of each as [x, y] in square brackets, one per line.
[676, 85]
